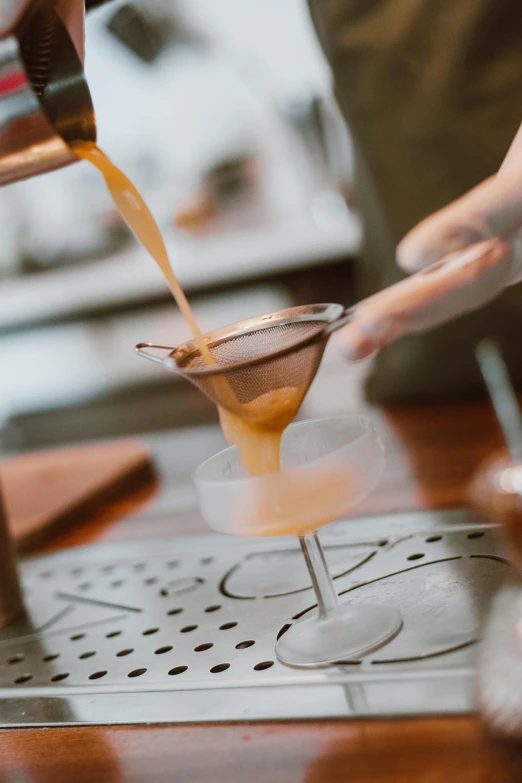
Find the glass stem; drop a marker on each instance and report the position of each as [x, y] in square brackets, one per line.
[322, 582]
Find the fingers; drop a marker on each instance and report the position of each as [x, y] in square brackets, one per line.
[457, 226]
[477, 240]
[494, 208]
[461, 283]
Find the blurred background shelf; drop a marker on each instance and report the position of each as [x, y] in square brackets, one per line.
[223, 116]
[131, 277]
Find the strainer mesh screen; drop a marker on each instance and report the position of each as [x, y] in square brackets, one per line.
[295, 370]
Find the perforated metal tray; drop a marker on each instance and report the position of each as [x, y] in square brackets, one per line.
[184, 629]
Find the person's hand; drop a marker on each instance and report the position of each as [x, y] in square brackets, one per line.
[476, 247]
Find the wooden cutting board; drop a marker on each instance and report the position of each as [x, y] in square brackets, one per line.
[47, 492]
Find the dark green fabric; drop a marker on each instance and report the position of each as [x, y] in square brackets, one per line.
[432, 93]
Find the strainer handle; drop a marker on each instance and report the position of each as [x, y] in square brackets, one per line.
[141, 349]
[343, 319]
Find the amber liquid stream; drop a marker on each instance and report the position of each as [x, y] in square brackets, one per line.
[257, 437]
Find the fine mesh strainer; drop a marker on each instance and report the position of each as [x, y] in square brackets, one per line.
[255, 357]
[265, 365]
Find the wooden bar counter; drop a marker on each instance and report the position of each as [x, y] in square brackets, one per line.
[432, 451]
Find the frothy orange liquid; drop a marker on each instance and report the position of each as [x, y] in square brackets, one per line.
[139, 219]
[258, 430]
[296, 501]
[257, 427]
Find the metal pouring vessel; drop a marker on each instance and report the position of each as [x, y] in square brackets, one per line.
[45, 104]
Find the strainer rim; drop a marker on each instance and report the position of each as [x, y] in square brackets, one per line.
[210, 370]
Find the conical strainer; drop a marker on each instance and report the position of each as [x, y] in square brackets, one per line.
[257, 357]
[265, 365]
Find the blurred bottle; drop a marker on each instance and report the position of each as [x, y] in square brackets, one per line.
[229, 197]
[326, 158]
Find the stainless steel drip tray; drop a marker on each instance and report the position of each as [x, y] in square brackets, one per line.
[184, 629]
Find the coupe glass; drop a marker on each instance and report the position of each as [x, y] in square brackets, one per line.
[327, 466]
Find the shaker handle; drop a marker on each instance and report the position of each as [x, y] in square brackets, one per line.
[141, 349]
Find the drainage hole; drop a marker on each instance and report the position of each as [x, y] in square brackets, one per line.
[112, 634]
[77, 571]
[221, 667]
[149, 631]
[227, 626]
[417, 556]
[59, 677]
[136, 672]
[383, 542]
[163, 650]
[76, 636]
[126, 651]
[188, 628]
[203, 647]
[151, 580]
[213, 608]
[107, 569]
[178, 670]
[475, 535]
[87, 654]
[97, 675]
[85, 586]
[259, 667]
[176, 610]
[172, 564]
[50, 657]
[206, 560]
[46, 574]
[284, 629]
[23, 678]
[16, 658]
[140, 566]
[117, 583]
[245, 644]
[432, 539]
[164, 592]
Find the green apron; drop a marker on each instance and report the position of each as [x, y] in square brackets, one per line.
[432, 93]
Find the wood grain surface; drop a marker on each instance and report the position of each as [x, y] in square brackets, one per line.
[443, 750]
[48, 492]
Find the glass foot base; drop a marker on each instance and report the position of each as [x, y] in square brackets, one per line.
[347, 633]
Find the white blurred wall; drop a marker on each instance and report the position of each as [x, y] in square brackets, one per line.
[164, 122]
